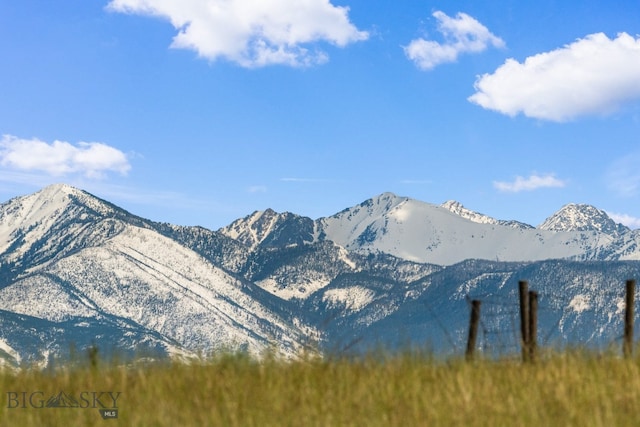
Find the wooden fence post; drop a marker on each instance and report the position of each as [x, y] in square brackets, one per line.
[523, 286]
[473, 328]
[628, 319]
[533, 326]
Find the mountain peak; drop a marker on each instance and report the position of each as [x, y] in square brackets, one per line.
[374, 207]
[269, 227]
[386, 198]
[383, 202]
[582, 217]
[35, 207]
[453, 205]
[55, 191]
[60, 186]
[386, 195]
[253, 228]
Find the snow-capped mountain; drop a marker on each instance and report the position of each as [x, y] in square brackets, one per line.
[268, 228]
[78, 271]
[442, 234]
[449, 234]
[581, 217]
[71, 258]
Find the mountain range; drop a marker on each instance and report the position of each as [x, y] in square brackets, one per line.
[78, 272]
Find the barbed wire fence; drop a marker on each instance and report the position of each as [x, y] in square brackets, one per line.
[563, 319]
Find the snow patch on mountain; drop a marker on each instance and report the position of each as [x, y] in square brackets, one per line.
[343, 255]
[472, 285]
[300, 289]
[15, 358]
[353, 298]
[41, 296]
[271, 229]
[252, 229]
[458, 209]
[365, 221]
[580, 303]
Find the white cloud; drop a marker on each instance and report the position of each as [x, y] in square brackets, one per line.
[463, 34]
[531, 183]
[623, 176]
[592, 76]
[92, 159]
[252, 33]
[628, 220]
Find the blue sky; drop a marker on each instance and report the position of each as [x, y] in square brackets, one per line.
[198, 112]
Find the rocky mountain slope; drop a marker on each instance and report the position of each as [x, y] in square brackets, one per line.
[71, 258]
[78, 271]
[448, 234]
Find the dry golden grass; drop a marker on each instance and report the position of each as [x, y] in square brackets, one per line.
[567, 389]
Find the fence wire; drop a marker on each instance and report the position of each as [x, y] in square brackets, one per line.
[593, 320]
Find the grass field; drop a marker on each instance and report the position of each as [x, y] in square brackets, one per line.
[566, 389]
